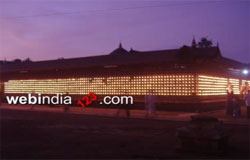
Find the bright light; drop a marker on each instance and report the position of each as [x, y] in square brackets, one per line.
[245, 71]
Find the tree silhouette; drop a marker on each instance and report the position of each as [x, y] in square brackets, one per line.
[17, 61]
[27, 60]
[205, 43]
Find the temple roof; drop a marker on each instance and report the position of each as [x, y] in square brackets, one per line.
[120, 50]
[121, 56]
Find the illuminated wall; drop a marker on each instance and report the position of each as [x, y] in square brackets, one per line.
[208, 85]
[131, 85]
[164, 85]
[248, 81]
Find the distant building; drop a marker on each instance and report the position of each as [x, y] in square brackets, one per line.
[181, 75]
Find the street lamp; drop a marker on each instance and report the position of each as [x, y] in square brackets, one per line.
[245, 72]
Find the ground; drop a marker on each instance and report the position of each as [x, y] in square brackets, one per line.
[40, 134]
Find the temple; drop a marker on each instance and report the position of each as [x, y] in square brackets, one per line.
[183, 75]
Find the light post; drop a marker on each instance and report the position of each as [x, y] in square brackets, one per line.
[245, 71]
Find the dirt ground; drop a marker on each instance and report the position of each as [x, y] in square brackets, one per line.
[32, 134]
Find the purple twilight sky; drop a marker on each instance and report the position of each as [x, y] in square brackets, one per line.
[50, 29]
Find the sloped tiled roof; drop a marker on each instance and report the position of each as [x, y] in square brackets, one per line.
[118, 57]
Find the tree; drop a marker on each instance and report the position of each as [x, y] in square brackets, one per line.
[205, 43]
[17, 61]
[27, 60]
